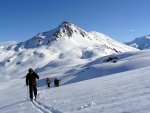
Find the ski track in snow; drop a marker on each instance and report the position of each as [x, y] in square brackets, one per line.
[41, 108]
[45, 108]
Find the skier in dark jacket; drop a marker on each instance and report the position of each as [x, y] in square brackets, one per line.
[56, 82]
[31, 81]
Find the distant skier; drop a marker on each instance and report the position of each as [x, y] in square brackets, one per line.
[48, 81]
[31, 81]
[56, 82]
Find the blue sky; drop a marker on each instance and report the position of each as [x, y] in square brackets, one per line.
[122, 20]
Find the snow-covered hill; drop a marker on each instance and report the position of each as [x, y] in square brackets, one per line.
[116, 87]
[67, 44]
[140, 43]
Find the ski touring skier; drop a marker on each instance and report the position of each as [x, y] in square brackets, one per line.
[48, 81]
[31, 82]
[56, 82]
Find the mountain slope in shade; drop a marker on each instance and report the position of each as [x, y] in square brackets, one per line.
[66, 46]
[140, 43]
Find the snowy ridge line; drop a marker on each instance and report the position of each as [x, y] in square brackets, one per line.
[53, 110]
[41, 108]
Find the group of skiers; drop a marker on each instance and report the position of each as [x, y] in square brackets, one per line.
[31, 82]
[56, 82]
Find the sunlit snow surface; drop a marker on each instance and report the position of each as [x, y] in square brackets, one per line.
[127, 91]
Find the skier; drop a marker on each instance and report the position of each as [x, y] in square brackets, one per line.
[56, 82]
[48, 81]
[31, 81]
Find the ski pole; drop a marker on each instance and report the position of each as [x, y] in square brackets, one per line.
[27, 92]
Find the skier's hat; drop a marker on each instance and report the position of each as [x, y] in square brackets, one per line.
[30, 70]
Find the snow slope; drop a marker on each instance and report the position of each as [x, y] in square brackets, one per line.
[121, 87]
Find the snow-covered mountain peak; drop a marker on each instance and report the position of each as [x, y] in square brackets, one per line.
[66, 24]
[68, 35]
[140, 42]
[68, 29]
[64, 31]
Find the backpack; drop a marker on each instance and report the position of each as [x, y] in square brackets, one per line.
[48, 80]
